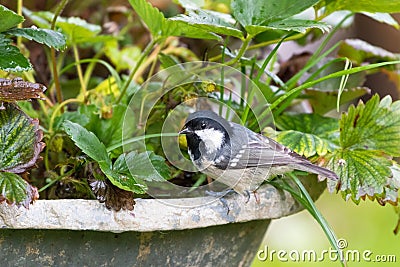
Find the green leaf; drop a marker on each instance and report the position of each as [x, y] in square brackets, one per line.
[148, 166]
[308, 134]
[167, 60]
[39, 18]
[373, 126]
[15, 190]
[211, 21]
[159, 26]
[360, 51]
[88, 143]
[11, 58]
[78, 30]
[43, 36]
[151, 16]
[361, 173]
[383, 6]
[123, 180]
[369, 138]
[260, 12]
[9, 19]
[123, 58]
[298, 25]
[20, 140]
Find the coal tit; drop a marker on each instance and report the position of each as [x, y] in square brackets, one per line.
[238, 157]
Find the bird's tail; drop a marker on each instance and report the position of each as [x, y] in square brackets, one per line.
[309, 167]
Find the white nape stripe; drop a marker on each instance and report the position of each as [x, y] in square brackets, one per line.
[213, 139]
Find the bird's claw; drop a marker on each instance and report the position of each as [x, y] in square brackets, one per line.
[221, 195]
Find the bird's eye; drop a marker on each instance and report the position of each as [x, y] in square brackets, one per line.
[203, 125]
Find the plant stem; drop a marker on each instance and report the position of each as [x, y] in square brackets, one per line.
[53, 53]
[58, 109]
[19, 12]
[145, 52]
[79, 70]
[56, 180]
[318, 217]
[241, 52]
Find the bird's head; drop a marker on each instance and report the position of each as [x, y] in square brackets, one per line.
[206, 133]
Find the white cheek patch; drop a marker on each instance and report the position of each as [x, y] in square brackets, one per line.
[212, 139]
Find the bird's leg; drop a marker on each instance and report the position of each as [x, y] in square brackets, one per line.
[247, 196]
[256, 196]
[221, 195]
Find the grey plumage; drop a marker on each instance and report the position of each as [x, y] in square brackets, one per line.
[242, 159]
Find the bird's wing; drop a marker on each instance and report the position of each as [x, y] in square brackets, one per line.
[256, 150]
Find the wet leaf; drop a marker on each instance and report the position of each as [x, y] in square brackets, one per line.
[369, 138]
[87, 142]
[258, 12]
[17, 89]
[90, 144]
[298, 25]
[159, 26]
[113, 197]
[43, 36]
[20, 145]
[211, 21]
[11, 58]
[20, 140]
[9, 19]
[15, 190]
[147, 166]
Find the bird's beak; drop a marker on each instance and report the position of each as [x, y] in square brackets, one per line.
[185, 130]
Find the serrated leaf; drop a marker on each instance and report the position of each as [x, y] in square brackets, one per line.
[88, 143]
[11, 58]
[308, 134]
[304, 144]
[15, 190]
[147, 166]
[374, 126]
[43, 36]
[122, 180]
[17, 89]
[260, 12]
[20, 140]
[360, 51]
[361, 172]
[159, 26]
[211, 22]
[9, 19]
